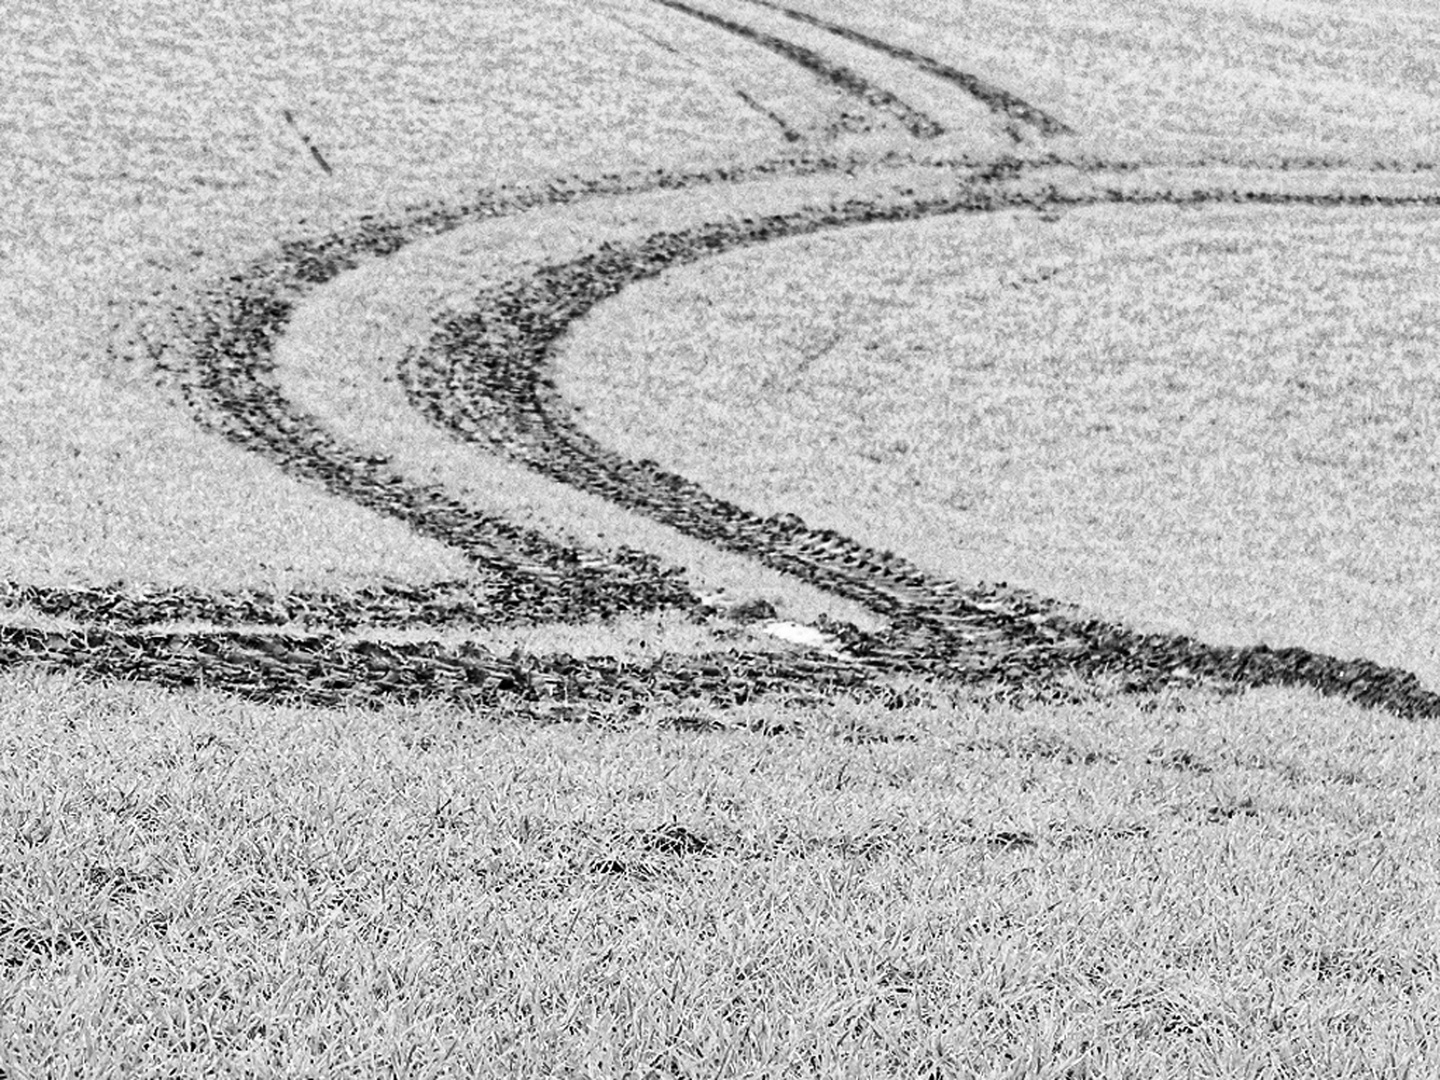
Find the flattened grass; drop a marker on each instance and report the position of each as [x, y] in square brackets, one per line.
[1177, 887]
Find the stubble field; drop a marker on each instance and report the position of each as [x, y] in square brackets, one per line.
[717, 539]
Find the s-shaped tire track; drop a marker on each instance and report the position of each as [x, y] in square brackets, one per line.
[933, 622]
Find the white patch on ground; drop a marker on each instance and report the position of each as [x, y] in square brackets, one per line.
[800, 634]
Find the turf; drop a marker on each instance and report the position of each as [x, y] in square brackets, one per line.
[1163, 887]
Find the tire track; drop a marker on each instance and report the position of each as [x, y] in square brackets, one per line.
[998, 101]
[232, 390]
[439, 604]
[788, 131]
[484, 376]
[223, 362]
[322, 670]
[874, 98]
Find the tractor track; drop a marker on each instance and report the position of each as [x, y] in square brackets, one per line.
[484, 376]
[866, 93]
[996, 99]
[488, 382]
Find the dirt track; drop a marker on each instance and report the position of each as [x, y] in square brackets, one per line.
[483, 376]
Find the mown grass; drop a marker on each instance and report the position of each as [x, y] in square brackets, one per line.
[199, 886]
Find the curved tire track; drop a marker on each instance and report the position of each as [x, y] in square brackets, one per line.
[484, 377]
[874, 98]
[994, 98]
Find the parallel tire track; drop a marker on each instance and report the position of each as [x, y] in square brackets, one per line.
[860, 89]
[994, 98]
[484, 377]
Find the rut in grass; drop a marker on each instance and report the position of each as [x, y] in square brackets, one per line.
[484, 376]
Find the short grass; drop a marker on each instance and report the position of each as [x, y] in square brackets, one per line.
[198, 886]
[145, 151]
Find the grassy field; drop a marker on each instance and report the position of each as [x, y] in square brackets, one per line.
[1243, 888]
[1213, 419]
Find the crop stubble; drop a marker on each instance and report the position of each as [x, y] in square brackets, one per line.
[484, 377]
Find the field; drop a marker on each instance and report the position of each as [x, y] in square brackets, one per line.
[676, 538]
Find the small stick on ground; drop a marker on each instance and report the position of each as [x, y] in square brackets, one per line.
[314, 152]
